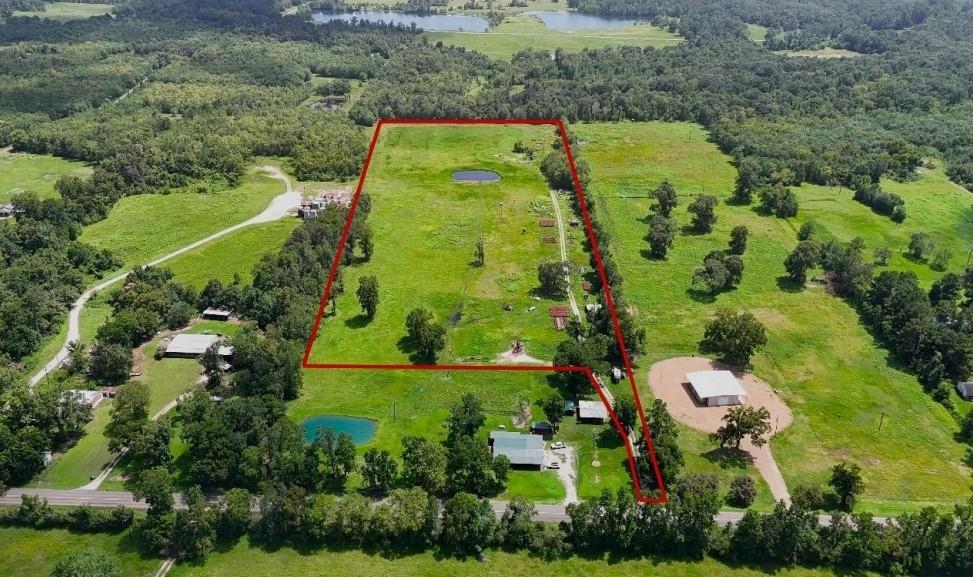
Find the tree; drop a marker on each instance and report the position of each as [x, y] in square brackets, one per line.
[920, 245]
[738, 240]
[423, 464]
[779, 200]
[129, 413]
[703, 209]
[626, 411]
[212, 362]
[734, 337]
[742, 492]
[662, 231]
[719, 272]
[194, 531]
[87, 563]
[847, 482]
[151, 445]
[882, 255]
[154, 486]
[78, 359]
[940, 260]
[465, 418]
[479, 253]
[551, 276]
[744, 421]
[665, 440]
[427, 337]
[467, 524]
[805, 255]
[806, 232]
[338, 453]
[110, 363]
[470, 467]
[749, 177]
[666, 199]
[554, 409]
[368, 295]
[947, 289]
[517, 528]
[233, 519]
[379, 471]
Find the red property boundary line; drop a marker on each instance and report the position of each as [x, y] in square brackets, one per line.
[609, 301]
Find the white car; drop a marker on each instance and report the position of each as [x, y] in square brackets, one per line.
[558, 445]
[554, 465]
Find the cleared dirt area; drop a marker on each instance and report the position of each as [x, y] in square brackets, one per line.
[667, 379]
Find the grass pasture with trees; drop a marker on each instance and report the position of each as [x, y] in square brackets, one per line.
[426, 227]
[834, 375]
[63, 11]
[36, 553]
[36, 173]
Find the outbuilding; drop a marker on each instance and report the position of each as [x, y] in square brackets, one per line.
[6, 210]
[542, 428]
[593, 412]
[186, 346]
[716, 388]
[965, 390]
[217, 314]
[523, 451]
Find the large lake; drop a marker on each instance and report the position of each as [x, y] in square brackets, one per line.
[432, 22]
[552, 19]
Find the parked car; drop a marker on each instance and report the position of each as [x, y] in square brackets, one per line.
[554, 465]
[558, 445]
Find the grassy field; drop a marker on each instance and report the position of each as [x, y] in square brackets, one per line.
[28, 552]
[428, 263]
[140, 228]
[518, 33]
[69, 10]
[245, 560]
[35, 173]
[756, 32]
[831, 372]
[235, 253]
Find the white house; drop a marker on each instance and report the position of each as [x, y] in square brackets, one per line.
[716, 388]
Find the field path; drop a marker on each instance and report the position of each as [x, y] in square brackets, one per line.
[277, 209]
[564, 252]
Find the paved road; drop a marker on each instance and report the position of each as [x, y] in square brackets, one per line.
[77, 497]
[276, 210]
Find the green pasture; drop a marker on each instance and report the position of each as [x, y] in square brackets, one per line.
[836, 378]
[234, 254]
[68, 10]
[250, 560]
[21, 172]
[517, 33]
[30, 552]
[756, 32]
[141, 228]
[425, 229]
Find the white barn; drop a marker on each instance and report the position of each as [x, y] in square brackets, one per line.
[716, 388]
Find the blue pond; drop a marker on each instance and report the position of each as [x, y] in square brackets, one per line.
[476, 176]
[563, 20]
[361, 430]
[431, 22]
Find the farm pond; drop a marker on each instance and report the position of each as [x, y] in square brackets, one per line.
[475, 176]
[361, 430]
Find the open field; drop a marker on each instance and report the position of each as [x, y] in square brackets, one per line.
[142, 227]
[35, 173]
[518, 33]
[756, 32]
[428, 262]
[235, 253]
[246, 560]
[29, 552]
[417, 403]
[69, 10]
[827, 368]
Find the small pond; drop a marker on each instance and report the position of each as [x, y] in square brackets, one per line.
[475, 176]
[563, 20]
[430, 22]
[361, 430]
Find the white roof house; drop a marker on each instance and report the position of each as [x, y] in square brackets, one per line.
[90, 398]
[186, 345]
[716, 388]
[592, 411]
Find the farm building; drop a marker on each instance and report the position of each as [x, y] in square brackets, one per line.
[188, 346]
[6, 210]
[716, 388]
[592, 412]
[570, 407]
[560, 315]
[546, 222]
[542, 428]
[90, 398]
[965, 390]
[217, 314]
[523, 451]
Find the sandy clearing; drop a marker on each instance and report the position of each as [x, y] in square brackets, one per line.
[667, 381]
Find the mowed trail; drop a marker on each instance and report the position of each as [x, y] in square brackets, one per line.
[277, 209]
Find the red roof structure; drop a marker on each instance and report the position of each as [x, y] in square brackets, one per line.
[560, 312]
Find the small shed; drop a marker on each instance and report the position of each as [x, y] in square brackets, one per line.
[570, 407]
[217, 314]
[593, 412]
[6, 210]
[965, 390]
[542, 428]
[90, 398]
[523, 451]
[716, 388]
[546, 222]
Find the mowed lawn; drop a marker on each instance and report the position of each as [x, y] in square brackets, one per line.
[68, 10]
[521, 32]
[29, 552]
[246, 560]
[417, 403]
[234, 254]
[832, 373]
[425, 229]
[142, 228]
[21, 172]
